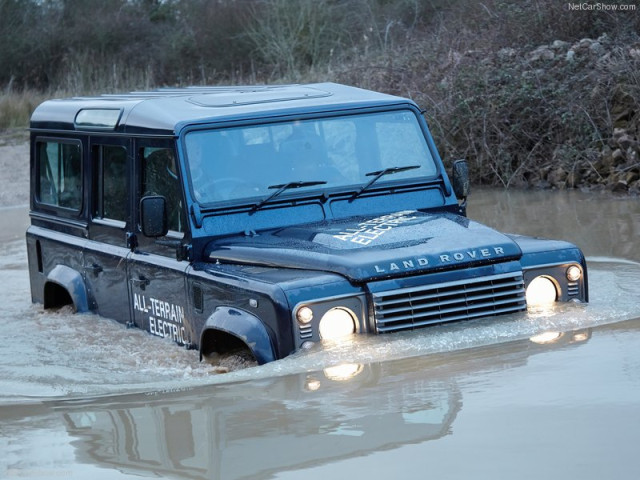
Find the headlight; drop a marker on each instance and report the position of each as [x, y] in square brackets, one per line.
[541, 291]
[328, 318]
[337, 322]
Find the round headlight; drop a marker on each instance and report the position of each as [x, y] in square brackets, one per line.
[337, 322]
[574, 273]
[541, 291]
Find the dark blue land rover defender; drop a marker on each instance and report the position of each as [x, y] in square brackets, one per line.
[268, 218]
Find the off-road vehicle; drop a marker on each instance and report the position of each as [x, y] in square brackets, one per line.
[268, 218]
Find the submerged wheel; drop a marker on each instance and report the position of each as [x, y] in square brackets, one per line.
[226, 351]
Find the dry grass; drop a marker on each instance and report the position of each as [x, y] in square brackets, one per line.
[16, 108]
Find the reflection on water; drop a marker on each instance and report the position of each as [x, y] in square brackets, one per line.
[548, 403]
[600, 224]
[542, 395]
[252, 434]
[256, 429]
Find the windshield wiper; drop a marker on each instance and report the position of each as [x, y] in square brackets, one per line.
[281, 188]
[378, 174]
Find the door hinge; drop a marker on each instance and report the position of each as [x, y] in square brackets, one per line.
[131, 241]
[184, 252]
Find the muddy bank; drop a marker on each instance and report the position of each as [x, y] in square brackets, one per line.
[611, 160]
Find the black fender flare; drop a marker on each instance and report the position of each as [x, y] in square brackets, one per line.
[71, 280]
[244, 326]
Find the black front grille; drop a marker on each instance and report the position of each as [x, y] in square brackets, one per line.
[416, 307]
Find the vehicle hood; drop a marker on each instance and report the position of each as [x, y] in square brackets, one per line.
[366, 248]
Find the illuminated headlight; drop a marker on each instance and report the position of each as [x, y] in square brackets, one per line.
[574, 273]
[541, 291]
[336, 323]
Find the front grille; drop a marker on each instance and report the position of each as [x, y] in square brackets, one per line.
[415, 307]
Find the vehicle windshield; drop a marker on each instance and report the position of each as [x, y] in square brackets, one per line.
[230, 164]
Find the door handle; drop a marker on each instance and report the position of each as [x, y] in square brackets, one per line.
[95, 268]
[140, 282]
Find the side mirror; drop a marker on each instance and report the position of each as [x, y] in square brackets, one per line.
[460, 179]
[153, 216]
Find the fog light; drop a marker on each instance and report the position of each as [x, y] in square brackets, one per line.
[574, 273]
[336, 323]
[541, 291]
[304, 315]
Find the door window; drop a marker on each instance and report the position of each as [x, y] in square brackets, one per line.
[160, 177]
[110, 183]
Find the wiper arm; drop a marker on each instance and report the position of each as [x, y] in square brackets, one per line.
[281, 188]
[378, 174]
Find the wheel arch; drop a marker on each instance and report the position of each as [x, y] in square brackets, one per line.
[63, 279]
[227, 325]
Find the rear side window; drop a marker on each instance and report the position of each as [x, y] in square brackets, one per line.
[59, 177]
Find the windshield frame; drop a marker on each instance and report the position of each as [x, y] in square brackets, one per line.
[387, 183]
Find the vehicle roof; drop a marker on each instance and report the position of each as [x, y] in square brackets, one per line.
[166, 111]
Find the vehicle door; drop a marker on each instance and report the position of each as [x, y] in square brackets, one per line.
[106, 251]
[58, 218]
[156, 278]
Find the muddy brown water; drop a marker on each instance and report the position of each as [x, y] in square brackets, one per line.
[551, 394]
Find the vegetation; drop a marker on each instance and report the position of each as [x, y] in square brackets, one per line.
[532, 92]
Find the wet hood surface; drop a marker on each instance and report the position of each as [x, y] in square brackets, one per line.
[365, 248]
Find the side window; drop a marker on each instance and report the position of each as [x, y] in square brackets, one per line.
[110, 190]
[160, 177]
[59, 174]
